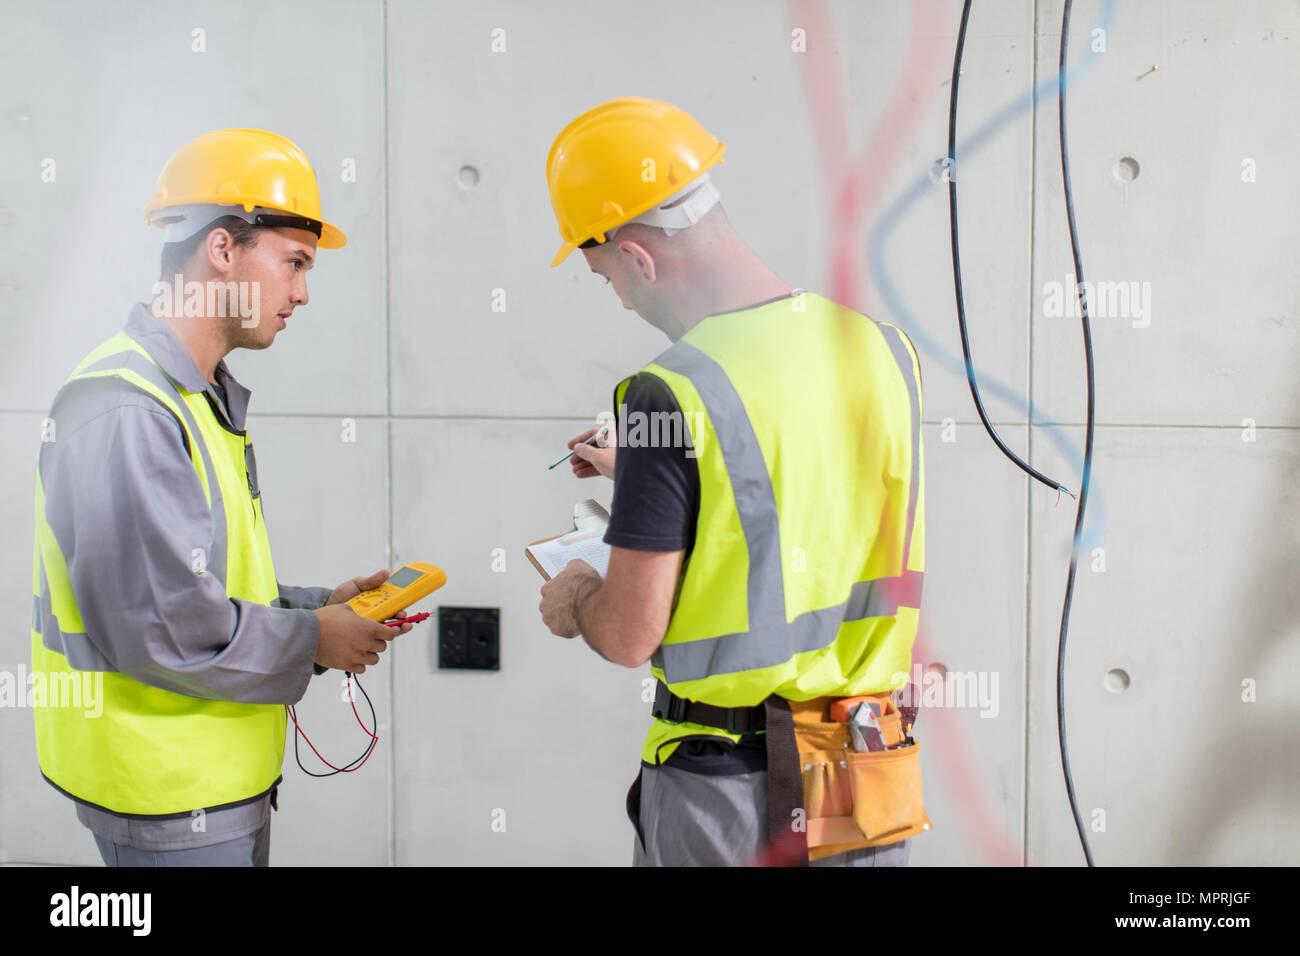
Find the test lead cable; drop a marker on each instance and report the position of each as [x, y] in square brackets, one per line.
[356, 764]
[371, 731]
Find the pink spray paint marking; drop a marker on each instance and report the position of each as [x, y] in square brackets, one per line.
[853, 190]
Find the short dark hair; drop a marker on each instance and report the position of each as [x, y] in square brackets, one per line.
[176, 255]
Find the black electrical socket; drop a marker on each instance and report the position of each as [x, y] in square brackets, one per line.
[469, 638]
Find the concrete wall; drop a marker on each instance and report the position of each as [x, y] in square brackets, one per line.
[456, 406]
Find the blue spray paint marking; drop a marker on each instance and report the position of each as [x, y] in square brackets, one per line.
[1095, 520]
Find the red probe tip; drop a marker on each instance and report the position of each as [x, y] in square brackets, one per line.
[413, 619]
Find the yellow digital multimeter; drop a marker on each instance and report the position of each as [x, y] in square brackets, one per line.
[403, 588]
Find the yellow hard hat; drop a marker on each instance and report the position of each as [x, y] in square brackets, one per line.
[263, 174]
[618, 160]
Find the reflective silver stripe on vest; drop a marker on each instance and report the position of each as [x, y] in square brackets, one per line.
[81, 654]
[770, 640]
[882, 597]
[145, 368]
[76, 646]
[904, 359]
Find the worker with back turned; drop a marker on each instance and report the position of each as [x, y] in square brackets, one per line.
[768, 566]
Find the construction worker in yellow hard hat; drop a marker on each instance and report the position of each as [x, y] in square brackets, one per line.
[767, 525]
[154, 588]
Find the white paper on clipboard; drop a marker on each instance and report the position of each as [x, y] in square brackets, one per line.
[585, 542]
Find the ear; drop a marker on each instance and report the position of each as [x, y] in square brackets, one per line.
[219, 247]
[639, 257]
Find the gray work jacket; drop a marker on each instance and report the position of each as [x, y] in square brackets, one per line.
[126, 507]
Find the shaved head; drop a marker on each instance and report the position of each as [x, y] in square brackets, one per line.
[674, 281]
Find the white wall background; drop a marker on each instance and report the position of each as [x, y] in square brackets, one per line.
[458, 407]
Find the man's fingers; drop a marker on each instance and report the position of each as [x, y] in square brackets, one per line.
[583, 437]
[371, 582]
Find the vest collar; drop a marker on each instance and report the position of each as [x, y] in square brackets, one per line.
[759, 305]
[166, 349]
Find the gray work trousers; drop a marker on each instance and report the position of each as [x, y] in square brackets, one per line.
[251, 850]
[695, 819]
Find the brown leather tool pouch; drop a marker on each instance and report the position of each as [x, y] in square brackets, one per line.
[855, 799]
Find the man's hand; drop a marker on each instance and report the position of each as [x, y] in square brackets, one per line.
[591, 460]
[350, 642]
[350, 589]
[623, 618]
[564, 594]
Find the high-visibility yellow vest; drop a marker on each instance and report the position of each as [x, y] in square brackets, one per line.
[153, 752]
[804, 580]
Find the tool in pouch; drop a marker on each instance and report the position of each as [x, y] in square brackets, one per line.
[825, 797]
[861, 771]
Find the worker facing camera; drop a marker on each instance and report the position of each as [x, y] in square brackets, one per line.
[159, 575]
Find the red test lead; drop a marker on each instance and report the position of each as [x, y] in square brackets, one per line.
[413, 619]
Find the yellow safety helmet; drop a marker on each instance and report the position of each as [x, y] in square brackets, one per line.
[618, 160]
[264, 176]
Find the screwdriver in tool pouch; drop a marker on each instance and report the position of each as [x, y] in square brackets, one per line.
[908, 701]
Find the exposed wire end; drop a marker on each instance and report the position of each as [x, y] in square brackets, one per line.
[956, 261]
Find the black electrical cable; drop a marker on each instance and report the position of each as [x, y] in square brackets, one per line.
[1088, 356]
[1087, 448]
[956, 262]
[373, 739]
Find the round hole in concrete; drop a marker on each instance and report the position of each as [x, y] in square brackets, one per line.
[1116, 680]
[467, 177]
[1126, 170]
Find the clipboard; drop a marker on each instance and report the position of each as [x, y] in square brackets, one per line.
[529, 554]
[585, 541]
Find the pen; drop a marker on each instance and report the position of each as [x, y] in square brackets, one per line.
[590, 441]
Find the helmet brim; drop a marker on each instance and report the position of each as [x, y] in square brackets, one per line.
[563, 254]
[331, 237]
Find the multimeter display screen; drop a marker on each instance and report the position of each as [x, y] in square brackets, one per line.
[405, 577]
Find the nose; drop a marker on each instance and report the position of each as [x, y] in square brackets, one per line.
[298, 296]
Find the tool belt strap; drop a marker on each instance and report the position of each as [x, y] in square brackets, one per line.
[735, 720]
